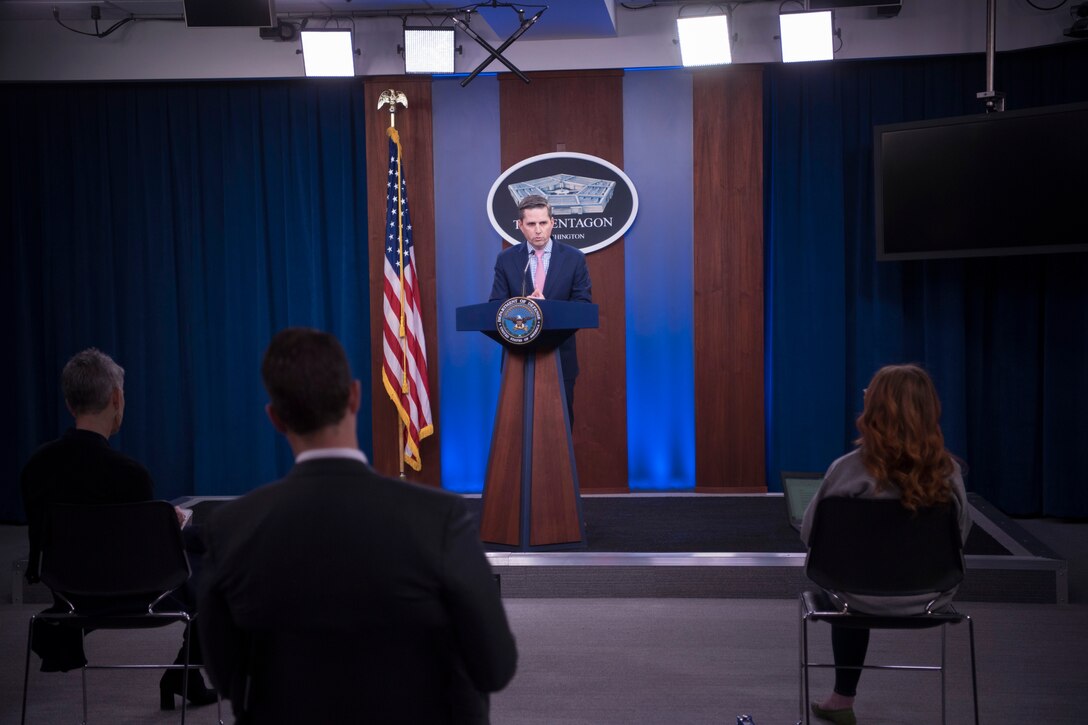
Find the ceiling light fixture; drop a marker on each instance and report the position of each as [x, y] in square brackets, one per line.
[807, 36]
[704, 40]
[328, 52]
[428, 50]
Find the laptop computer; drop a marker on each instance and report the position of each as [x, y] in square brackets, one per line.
[798, 488]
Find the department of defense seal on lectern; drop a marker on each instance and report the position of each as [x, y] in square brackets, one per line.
[519, 320]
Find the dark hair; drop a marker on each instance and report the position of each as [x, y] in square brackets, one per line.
[308, 378]
[533, 201]
[901, 440]
[89, 379]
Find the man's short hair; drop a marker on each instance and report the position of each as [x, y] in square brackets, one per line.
[533, 201]
[308, 379]
[89, 379]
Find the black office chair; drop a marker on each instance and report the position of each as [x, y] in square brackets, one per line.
[113, 567]
[877, 547]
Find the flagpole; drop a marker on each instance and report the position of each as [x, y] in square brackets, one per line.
[404, 348]
[393, 97]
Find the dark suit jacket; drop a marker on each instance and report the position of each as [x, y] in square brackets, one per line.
[346, 597]
[567, 279]
[77, 468]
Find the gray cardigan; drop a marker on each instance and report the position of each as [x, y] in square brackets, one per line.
[847, 476]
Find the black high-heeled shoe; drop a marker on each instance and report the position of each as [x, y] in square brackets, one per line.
[198, 692]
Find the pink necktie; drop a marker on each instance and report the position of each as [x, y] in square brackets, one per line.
[540, 271]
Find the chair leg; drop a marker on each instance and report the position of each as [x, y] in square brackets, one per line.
[804, 716]
[801, 661]
[26, 670]
[944, 650]
[974, 672]
[83, 680]
[185, 672]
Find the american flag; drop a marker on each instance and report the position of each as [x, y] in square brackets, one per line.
[404, 350]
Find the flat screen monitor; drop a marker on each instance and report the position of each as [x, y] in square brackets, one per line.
[799, 488]
[995, 184]
[229, 13]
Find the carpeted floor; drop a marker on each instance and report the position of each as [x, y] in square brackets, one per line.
[657, 662]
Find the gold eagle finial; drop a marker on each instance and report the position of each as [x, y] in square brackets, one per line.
[392, 97]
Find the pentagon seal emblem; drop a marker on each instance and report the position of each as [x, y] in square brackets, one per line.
[594, 203]
[519, 320]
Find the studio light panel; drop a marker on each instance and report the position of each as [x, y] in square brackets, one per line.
[328, 53]
[806, 36]
[428, 50]
[704, 40]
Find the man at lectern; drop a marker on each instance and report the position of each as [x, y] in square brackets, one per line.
[544, 269]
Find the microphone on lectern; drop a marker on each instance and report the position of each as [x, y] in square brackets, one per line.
[525, 271]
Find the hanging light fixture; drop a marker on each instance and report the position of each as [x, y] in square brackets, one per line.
[328, 52]
[806, 36]
[428, 50]
[704, 40]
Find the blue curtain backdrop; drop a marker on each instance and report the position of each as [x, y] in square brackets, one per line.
[177, 226]
[1006, 339]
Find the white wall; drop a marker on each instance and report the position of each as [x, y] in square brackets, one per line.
[40, 50]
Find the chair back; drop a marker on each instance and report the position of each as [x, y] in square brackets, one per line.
[878, 547]
[113, 550]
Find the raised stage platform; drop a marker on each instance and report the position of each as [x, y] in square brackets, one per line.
[742, 546]
[722, 546]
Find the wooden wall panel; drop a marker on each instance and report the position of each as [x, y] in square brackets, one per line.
[728, 181]
[582, 111]
[414, 125]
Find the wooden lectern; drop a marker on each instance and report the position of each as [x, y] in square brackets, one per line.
[531, 499]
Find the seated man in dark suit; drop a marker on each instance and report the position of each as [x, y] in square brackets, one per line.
[336, 595]
[81, 468]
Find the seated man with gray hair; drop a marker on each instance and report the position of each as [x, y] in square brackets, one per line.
[81, 468]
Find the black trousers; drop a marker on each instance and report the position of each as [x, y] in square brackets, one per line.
[849, 646]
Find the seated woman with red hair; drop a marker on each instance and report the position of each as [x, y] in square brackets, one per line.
[900, 455]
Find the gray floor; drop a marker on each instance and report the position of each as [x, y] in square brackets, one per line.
[603, 661]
